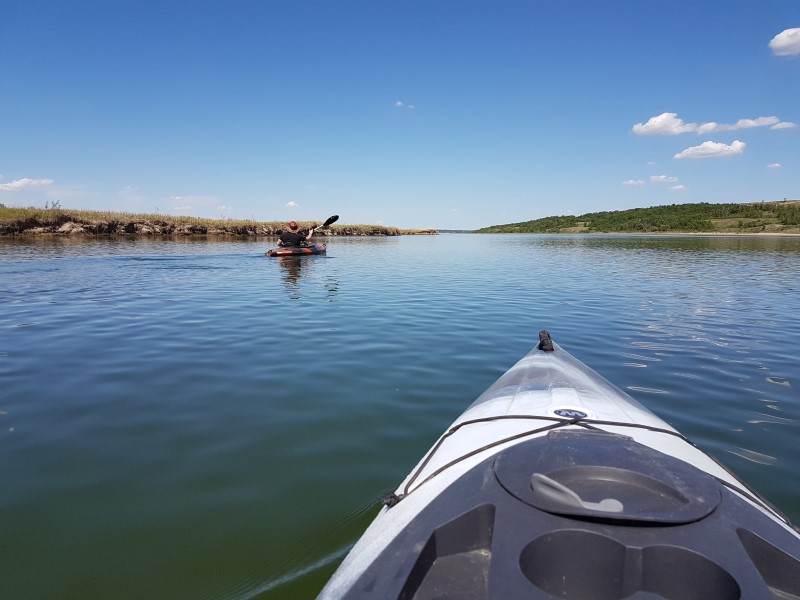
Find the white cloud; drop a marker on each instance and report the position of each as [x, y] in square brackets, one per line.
[678, 188]
[663, 179]
[708, 127]
[671, 124]
[744, 124]
[664, 124]
[774, 166]
[401, 104]
[712, 150]
[633, 182]
[21, 184]
[786, 43]
[193, 202]
[292, 204]
[223, 207]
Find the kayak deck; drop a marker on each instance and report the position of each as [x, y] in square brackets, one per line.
[680, 536]
[555, 483]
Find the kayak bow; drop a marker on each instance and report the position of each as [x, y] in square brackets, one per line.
[556, 483]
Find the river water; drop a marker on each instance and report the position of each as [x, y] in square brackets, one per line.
[189, 419]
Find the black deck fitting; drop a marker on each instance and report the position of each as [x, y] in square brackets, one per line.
[545, 341]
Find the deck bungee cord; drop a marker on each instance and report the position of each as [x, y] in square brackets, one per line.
[391, 500]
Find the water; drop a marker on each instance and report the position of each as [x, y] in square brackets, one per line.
[189, 419]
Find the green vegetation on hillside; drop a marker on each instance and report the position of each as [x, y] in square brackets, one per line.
[774, 217]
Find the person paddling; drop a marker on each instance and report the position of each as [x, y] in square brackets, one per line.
[292, 236]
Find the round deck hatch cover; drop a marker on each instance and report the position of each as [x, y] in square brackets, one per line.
[601, 475]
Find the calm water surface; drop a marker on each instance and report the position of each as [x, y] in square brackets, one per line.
[189, 419]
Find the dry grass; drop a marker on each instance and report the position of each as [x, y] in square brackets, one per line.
[9, 215]
[21, 221]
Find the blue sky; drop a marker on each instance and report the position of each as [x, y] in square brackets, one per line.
[435, 113]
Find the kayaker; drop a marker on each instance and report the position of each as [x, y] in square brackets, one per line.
[292, 236]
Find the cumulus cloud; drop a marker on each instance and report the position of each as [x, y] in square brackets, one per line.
[774, 166]
[193, 202]
[740, 124]
[712, 150]
[678, 188]
[786, 43]
[223, 207]
[401, 104]
[664, 124]
[633, 182]
[671, 124]
[25, 182]
[292, 204]
[663, 179]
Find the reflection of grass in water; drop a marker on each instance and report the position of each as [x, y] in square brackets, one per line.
[28, 218]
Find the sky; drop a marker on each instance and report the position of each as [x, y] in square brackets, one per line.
[453, 114]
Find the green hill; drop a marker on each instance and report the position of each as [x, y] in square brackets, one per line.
[760, 217]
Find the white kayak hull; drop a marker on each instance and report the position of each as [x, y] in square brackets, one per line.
[555, 483]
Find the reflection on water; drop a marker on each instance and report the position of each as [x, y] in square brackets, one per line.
[299, 270]
[684, 243]
[152, 415]
[291, 268]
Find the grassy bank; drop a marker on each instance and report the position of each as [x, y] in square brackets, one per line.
[759, 217]
[59, 221]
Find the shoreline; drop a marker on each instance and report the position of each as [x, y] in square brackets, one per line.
[66, 225]
[656, 233]
[58, 222]
[168, 229]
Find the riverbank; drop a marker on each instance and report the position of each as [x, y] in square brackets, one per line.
[61, 222]
[782, 217]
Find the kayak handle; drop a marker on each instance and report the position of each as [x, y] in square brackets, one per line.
[545, 341]
[559, 493]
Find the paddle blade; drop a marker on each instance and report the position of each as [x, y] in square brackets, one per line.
[330, 220]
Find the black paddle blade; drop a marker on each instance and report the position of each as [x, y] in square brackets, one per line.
[330, 220]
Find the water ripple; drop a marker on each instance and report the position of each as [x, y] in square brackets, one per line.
[752, 456]
[224, 421]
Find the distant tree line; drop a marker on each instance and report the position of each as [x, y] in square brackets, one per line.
[698, 217]
[788, 213]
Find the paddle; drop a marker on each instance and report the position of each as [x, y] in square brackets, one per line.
[330, 220]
